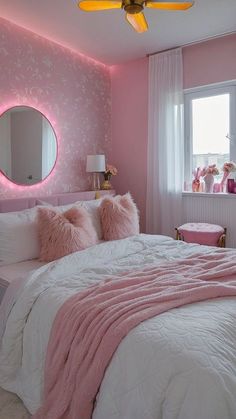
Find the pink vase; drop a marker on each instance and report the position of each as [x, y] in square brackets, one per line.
[209, 183]
[196, 185]
[223, 183]
[231, 185]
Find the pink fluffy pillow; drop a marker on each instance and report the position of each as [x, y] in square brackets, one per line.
[61, 234]
[119, 217]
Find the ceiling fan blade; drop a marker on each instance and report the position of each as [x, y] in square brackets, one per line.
[96, 5]
[137, 21]
[169, 5]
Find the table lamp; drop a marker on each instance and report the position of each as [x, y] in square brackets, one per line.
[95, 165]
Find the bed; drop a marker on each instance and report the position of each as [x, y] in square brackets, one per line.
[180, 364]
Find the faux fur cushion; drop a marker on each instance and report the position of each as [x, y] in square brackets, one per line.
[64, 233]
[119, 217]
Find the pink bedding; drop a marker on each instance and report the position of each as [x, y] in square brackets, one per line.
[90, 325]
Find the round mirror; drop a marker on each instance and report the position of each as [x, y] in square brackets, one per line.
[28, 145]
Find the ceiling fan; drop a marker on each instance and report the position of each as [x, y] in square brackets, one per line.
[133, 9]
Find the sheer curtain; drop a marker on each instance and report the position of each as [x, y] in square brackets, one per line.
[165, 143]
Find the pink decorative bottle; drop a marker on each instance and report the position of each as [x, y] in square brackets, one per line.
[209, 182]
[196, 185]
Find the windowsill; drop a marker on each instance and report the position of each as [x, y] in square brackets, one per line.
[210, 195]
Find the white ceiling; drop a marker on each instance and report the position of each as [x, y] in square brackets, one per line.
[105, 36]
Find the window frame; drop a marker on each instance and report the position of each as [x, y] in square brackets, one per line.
[228, 87]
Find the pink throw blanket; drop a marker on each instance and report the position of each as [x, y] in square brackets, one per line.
[90, 325]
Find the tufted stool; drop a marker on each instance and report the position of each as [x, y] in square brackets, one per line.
[202, 233]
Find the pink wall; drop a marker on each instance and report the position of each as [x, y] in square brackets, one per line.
[72, 91]
[210, 61]
[207, 62]
[129, 129]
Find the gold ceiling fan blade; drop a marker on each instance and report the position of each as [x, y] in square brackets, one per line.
[170, 5]
[137, 21]
[96, 5]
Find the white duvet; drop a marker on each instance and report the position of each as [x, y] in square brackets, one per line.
[178, 365]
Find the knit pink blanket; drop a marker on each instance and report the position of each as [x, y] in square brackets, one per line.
[90, 325]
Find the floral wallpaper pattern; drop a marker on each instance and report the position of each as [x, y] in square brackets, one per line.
[71, 90]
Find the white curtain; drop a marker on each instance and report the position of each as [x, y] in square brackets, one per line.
[165, 143]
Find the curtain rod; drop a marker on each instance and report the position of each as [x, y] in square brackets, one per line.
[192, 43]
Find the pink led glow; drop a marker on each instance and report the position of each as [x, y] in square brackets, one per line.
[84, 57]
[71, 90]
[67, 48]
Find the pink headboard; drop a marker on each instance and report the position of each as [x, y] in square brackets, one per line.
[19, 204]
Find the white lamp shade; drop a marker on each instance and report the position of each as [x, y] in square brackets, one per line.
[96, 163]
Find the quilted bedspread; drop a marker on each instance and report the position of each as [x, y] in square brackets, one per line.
[178, 365]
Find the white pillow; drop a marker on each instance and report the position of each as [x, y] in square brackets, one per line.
[18, 236]
[93, 209]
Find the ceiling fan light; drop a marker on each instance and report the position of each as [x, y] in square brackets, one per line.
[137, 21]
[133, 8]
[96, 5]
[169, 5]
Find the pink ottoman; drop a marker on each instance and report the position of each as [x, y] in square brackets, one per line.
[202, 233]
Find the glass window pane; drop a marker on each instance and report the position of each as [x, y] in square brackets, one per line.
[210, 125]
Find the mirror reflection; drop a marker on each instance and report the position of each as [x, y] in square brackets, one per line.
[28, 146]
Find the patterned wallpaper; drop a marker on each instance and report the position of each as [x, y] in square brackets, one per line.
[73, 91]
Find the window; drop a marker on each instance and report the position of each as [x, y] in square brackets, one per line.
[210, 128]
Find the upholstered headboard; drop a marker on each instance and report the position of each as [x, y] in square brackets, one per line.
[19, 204]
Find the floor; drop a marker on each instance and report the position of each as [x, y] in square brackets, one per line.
[11, 407]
